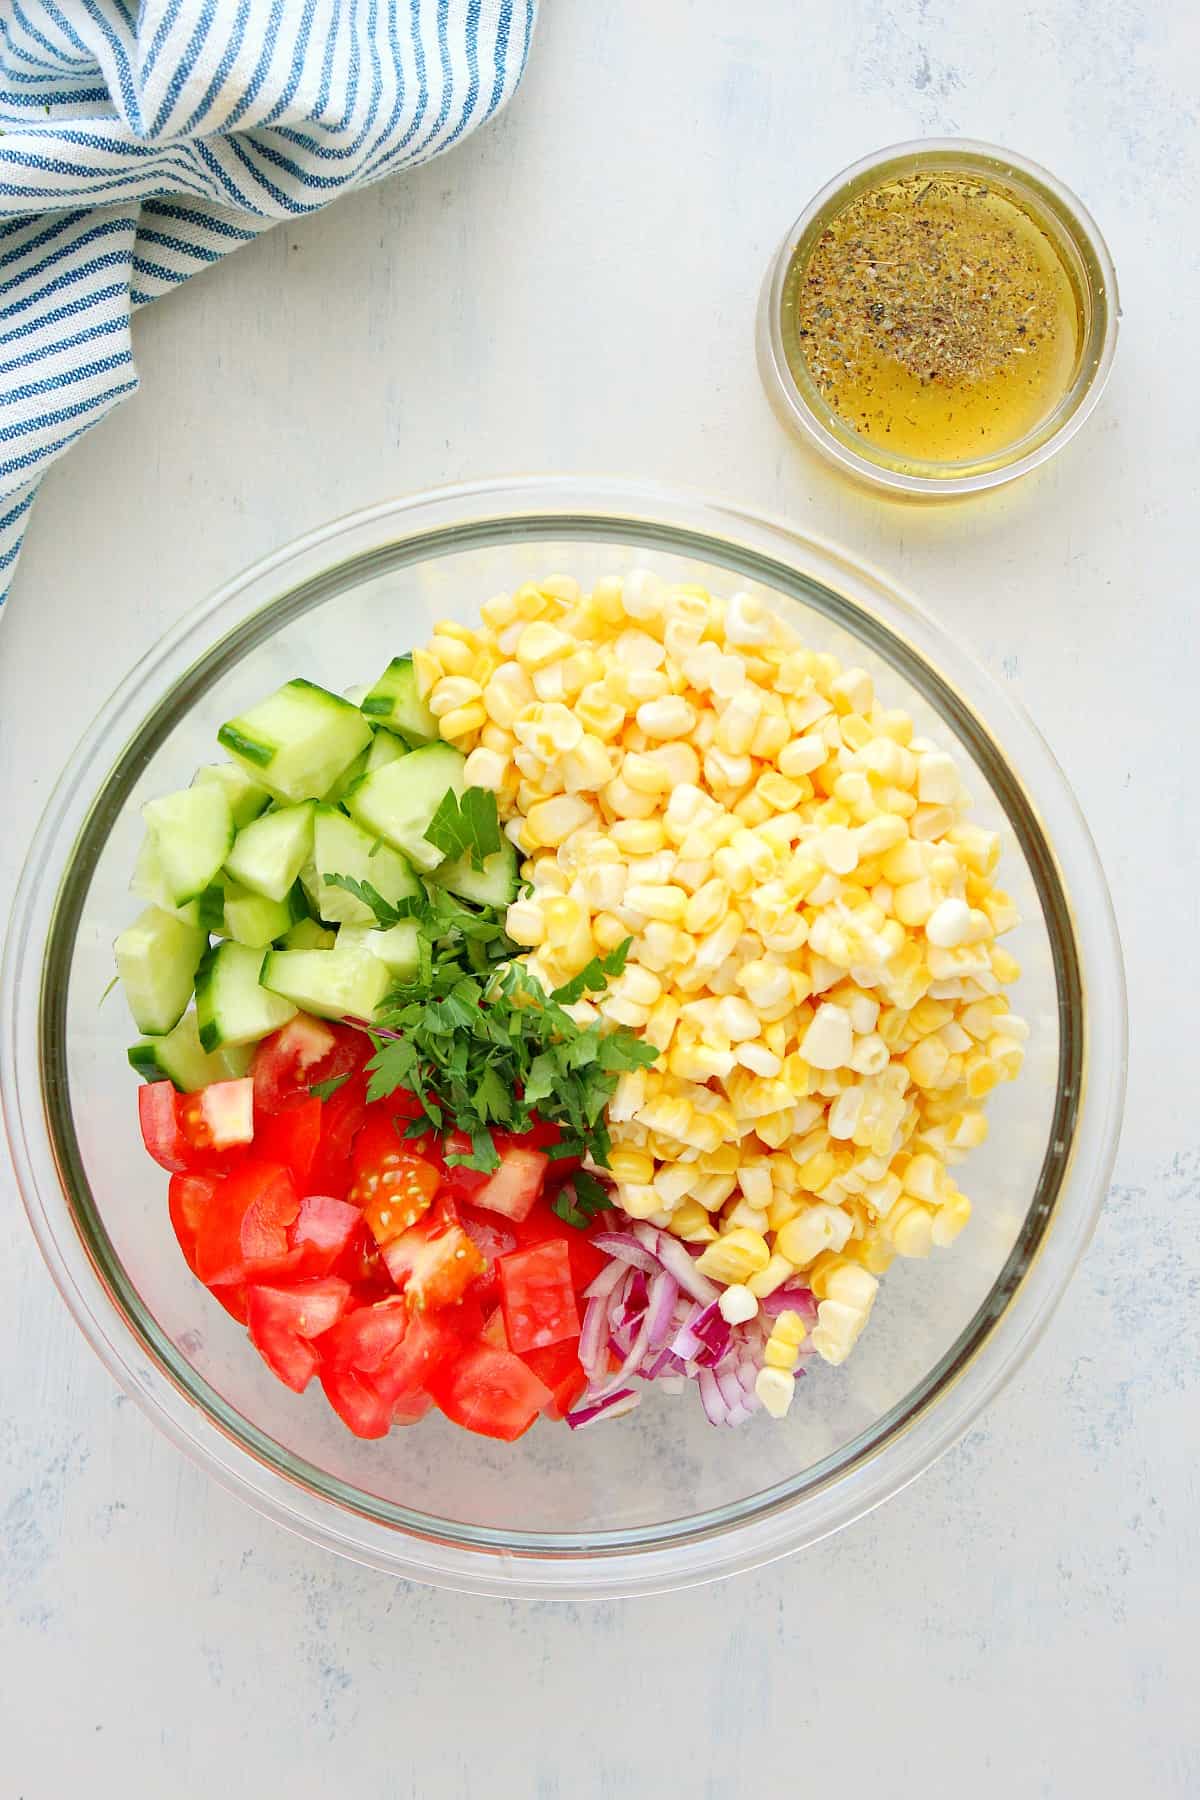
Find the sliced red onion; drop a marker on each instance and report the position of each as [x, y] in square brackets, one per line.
[632, 1362]
[660, 1308]
[593, 1339]
[625, 1247]
[638, 1292]
[674, 1256]
[711, 1398]
[608, 1406]
[731, 1388]
[789, 1298]
[609, 1277]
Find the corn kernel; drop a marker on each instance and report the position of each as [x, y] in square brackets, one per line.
[734, 1256]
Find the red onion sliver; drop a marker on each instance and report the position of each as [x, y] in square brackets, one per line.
[715, 1410]
[673, 1256]
[660, 1308]
[632, 1362]
[625, 1247]
[606, 1281]
[790, 1299]
[610, 1406]
[593, 1339]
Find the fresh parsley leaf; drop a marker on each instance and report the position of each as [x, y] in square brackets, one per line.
[466, 825]
[581, 1198]
[323, 1089]
[108, 990]
[594, 977]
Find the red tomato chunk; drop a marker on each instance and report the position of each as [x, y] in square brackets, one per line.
[516, 1184]
[489, 1391]
[537, 1295]
[283, 1320]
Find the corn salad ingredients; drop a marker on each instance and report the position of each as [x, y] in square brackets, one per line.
[814, 923]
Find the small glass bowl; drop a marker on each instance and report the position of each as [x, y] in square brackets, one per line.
[1077, 238]
[659, 1500]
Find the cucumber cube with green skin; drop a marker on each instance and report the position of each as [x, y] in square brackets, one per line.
[350, 774]
[252, 919]
[247, 798]
[297, 741]
[157, 959]
[340, 847]
[384, 749]
[395, 701]
[493, 885]
[306, 934]
[396, 948]
[180, 1057]
[205, 913]
[397, 802]
[192, 833]
[231, 1006]
[268, 854]
[333, 984]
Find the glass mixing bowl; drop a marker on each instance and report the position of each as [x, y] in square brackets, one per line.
[659, 1499]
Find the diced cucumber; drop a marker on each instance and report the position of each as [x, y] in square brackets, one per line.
[253, 919]
[340, 847]
[180, 1057]
[298, 741]
[384, 749]
[246, 798]
[268, 855]
[306, 934]
[493, 885]
[231, 1007]
[395, 701]
[333, 984]
[205, 913]
[157, 958]
[396, 947]
[192, 832]
[353, 772]
[397, 802]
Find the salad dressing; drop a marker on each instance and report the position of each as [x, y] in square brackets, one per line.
[936, 317]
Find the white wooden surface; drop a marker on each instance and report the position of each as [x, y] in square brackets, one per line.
[574, 290]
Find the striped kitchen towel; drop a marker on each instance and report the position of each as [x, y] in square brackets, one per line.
[141, 140]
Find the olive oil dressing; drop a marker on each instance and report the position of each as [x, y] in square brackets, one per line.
[935, 316]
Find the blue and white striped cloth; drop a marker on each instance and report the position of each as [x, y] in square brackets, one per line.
[141, 140]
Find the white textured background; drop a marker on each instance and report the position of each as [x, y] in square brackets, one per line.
[574, 290]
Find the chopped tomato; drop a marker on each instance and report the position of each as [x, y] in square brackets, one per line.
[489, 1391]
[364, 1411]
[514, 1188]
[284, 1320]
[188, 1196]
[404, 1375]
[323, 1230]
[543, 1223]
[434, 1261]
[159, 1121]
[305, 1051]
[493, 1332]
[361, 1264]
[537, 1295]
[558, 1365]
[243, 1229]
[206, 1131]
[393, 1182]
[219, 1117]
[492, 1239]
[291, 1135]
[341, 1116]
[363, 1338]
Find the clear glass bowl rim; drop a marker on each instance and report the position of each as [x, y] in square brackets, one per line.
[1002, 1333]
[1074, 219]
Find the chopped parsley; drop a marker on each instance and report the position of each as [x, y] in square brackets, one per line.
[484, 1048]
[466, 825]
